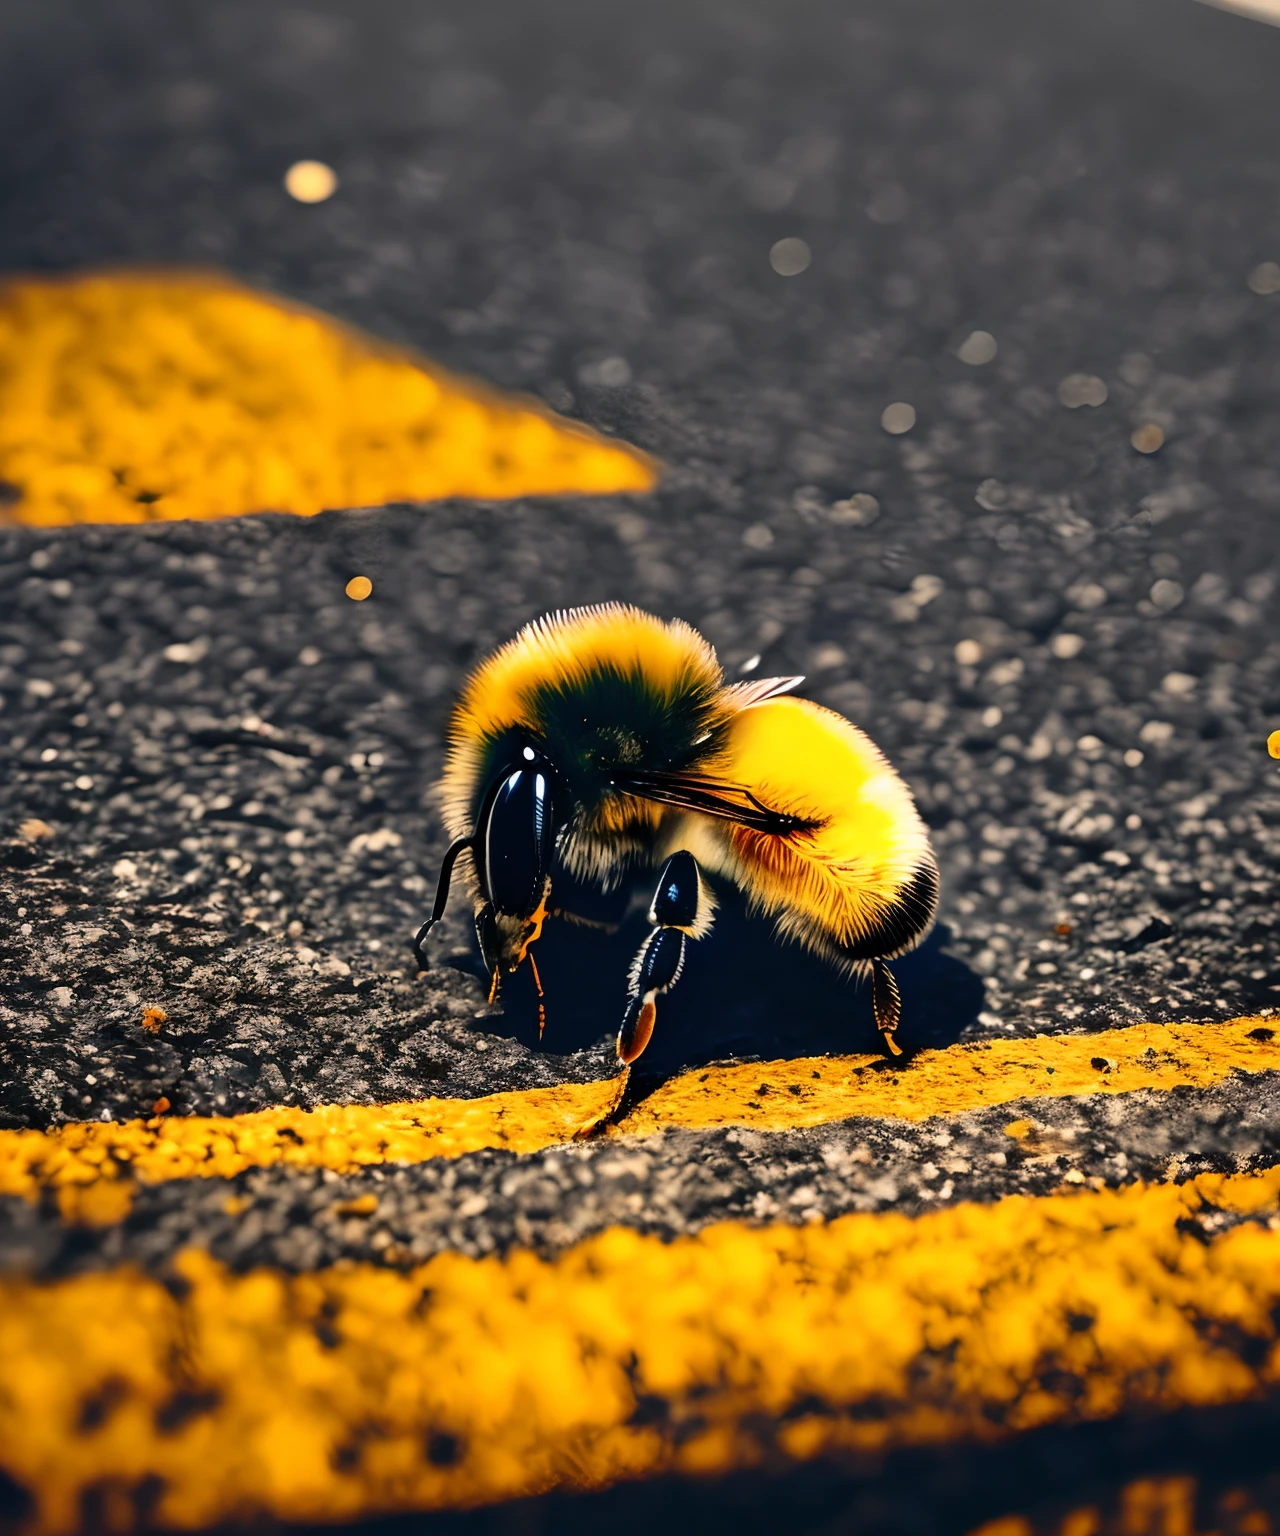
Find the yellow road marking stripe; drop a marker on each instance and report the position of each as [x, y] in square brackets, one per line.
[357, 1389]
[788, 1094]
[136, 396]
[94, 1165]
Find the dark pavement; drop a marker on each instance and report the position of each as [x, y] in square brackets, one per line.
[1068, 646]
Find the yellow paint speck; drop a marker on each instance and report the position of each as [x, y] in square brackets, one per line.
[310, 181]
[153, 1018]
[1273, 744]
[358, 588]
[1148, 438]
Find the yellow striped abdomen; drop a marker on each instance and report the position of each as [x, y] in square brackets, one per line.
[863, 881]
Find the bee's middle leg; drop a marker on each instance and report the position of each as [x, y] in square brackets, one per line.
[680, 910]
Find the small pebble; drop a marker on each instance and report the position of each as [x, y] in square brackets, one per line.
[898, 418]
[1265, 278]
[790, 257]
[1079, 389]
[977, 348]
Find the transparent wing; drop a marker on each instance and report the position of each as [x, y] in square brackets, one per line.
[757, 690]
[710, 797]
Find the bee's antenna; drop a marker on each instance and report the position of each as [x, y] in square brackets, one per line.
[442, 897]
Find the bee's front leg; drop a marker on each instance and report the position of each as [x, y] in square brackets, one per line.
[680, 910]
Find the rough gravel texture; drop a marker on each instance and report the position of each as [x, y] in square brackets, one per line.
[580, 200]
[527, 195]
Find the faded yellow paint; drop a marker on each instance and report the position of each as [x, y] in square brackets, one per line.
[131, 397]
[811, 1091]
[357, 1389]
[94, 1165]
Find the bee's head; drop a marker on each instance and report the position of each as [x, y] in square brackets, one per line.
[608, 721]
[515, 839]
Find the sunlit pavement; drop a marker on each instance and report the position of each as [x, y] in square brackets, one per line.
[951, 332]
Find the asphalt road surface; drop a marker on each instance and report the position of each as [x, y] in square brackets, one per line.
[1066, 644]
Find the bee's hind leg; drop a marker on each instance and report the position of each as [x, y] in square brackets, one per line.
[887, 1002]
[680, 909]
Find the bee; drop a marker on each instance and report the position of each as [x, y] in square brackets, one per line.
[604, 740]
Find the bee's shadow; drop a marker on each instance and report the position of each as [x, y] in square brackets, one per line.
[743, 993]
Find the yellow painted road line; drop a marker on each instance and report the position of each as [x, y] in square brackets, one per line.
[785, 1095]
[131, 397]
[358, 1389]
[94, 1166]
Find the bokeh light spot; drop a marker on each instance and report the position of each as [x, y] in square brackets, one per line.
[790, 257]
[310, 181]
[1079, 389]
[898, 418]
[1265, 278]
[977, 348]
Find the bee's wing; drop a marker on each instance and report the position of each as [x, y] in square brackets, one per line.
[709, 797]
[757, 690]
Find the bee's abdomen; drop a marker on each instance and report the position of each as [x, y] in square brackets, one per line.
[860, 883]
[898, 923]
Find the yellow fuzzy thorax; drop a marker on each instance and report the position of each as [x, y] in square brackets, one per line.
[565, 648]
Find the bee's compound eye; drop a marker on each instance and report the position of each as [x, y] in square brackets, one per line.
[518, 842]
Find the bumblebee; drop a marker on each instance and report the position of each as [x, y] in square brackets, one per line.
[603, 740]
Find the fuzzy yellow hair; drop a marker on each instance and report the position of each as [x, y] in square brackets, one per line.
[668, 658]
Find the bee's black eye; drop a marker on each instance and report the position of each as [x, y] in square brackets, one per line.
[519, 839]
